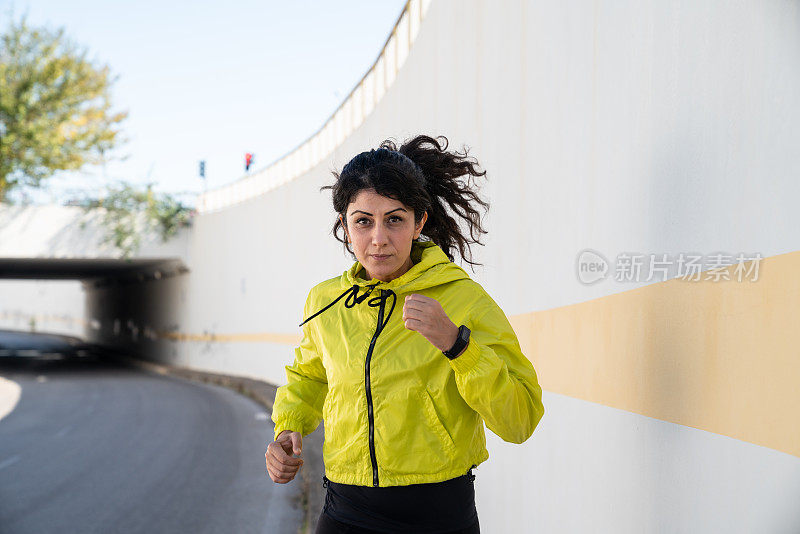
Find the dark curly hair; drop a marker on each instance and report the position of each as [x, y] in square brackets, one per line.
[422, 175]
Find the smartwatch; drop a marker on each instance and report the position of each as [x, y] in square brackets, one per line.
[462, 339]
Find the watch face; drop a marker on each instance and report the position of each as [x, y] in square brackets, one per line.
[461, 341]
[465, 333]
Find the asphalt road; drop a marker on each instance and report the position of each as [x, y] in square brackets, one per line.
[93, 447]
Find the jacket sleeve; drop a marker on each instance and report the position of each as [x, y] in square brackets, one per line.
[298, 403]
[497, 380]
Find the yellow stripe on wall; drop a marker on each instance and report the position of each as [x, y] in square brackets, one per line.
[286, 339]
[719, 356]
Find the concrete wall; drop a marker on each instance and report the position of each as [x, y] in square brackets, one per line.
[624, 127]
[648, 127]
[55, 306]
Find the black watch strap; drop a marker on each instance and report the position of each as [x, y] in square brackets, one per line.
[461, 341]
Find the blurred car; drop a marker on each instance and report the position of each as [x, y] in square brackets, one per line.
[44, 346]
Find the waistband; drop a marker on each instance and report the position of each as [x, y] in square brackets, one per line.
[469, 474]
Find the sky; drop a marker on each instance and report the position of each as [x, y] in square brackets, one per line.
[213, 80]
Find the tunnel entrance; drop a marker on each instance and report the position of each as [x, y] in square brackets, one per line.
[114, 302]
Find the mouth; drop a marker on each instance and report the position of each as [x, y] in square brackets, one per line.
[381, 256]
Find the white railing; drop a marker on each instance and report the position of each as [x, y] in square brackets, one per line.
[348, 116]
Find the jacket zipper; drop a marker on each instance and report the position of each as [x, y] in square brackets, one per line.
[370, 415]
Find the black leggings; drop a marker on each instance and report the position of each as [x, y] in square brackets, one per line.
[328, 525]
[443, 507]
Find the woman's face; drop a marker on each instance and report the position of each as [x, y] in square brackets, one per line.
[380, 230]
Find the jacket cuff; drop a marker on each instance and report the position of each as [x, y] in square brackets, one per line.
[288, 423]
[467, 359]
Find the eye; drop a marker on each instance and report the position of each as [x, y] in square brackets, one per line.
[396, 218]
[358, 221]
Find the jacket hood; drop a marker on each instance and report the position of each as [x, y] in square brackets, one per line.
[431, 268]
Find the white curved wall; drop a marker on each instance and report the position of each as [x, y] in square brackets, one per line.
[632, 126]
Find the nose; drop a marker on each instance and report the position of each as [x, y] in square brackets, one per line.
[379, 236]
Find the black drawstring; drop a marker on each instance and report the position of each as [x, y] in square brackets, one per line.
[354, 299]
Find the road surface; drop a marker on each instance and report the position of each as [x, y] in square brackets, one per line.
[93, 447]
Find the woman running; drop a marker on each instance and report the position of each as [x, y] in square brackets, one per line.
[404, 390]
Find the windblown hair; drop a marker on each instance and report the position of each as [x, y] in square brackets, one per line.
[424, 176]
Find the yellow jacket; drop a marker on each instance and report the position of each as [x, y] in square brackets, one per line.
[397, 411]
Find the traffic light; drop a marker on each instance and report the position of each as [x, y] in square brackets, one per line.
[202, 169]
[248, 161]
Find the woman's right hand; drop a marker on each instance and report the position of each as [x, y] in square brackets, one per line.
[281, 466]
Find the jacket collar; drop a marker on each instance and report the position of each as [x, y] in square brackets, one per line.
[431, 267]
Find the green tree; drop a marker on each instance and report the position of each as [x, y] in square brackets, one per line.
[130, 211]
[54, 107]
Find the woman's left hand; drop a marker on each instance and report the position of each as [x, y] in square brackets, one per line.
[426, 316]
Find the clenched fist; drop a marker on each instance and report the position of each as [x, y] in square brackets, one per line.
[281, 466]
[426, 316]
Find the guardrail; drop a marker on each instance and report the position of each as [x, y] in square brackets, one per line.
[350, 114]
